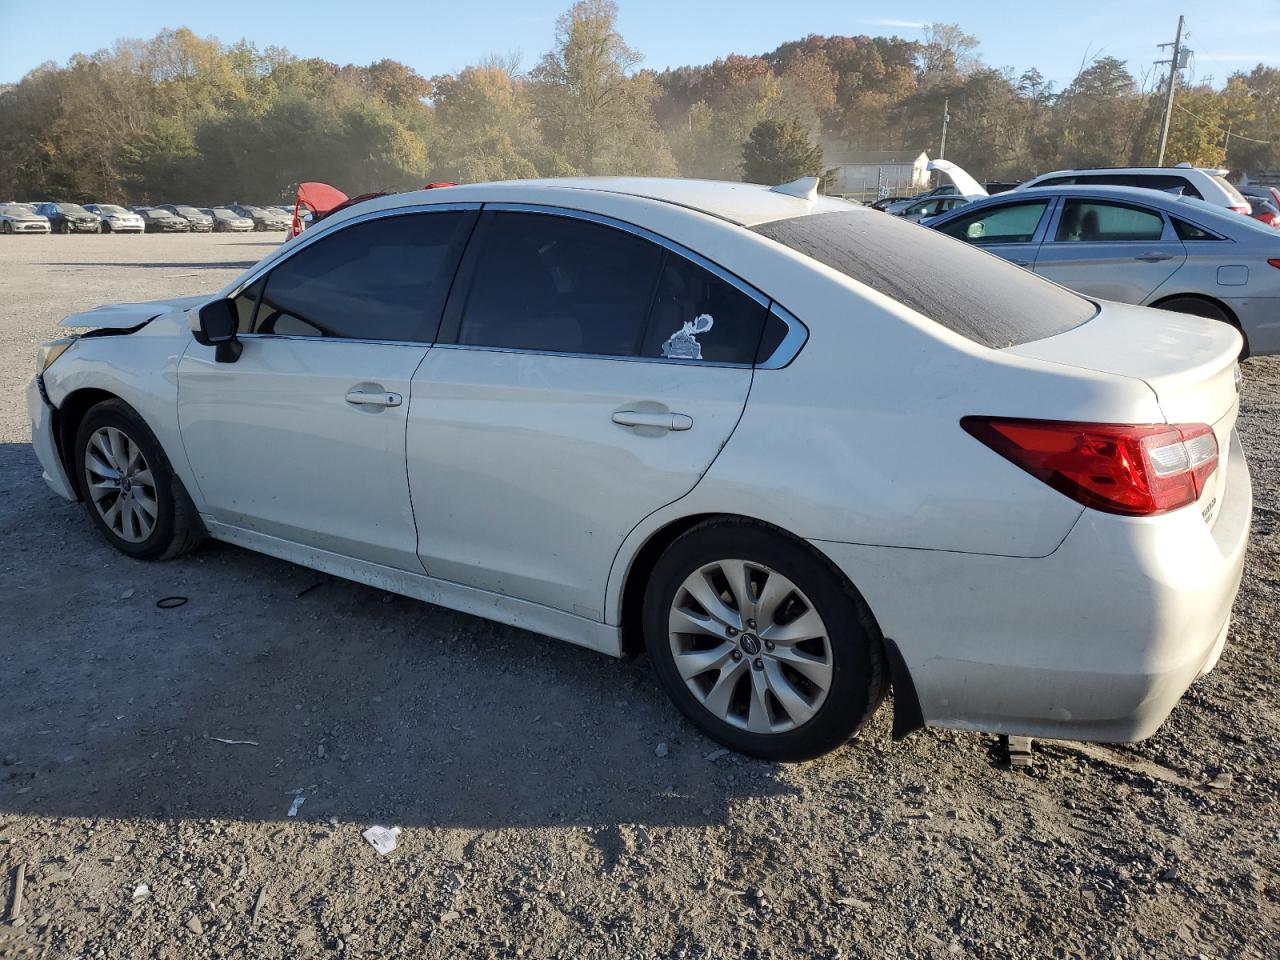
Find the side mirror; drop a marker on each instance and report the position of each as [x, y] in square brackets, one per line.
[976, 230]
[219, 321]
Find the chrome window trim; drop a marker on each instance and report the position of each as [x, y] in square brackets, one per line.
[308, 237]
[795, 338]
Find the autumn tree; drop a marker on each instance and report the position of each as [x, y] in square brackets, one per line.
[594, 109]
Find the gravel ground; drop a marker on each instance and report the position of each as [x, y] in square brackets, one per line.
[552, 803]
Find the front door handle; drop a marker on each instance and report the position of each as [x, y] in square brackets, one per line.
[374, 398]
[664, 421]
[1154, 257]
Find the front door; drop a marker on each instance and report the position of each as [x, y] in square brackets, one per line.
[1111, 250]
[586, 376]
[303, 436]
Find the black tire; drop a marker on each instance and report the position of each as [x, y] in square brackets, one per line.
[64, 227]
[105, 228]
[1207, 309]
[858, 669]
[177, 527]
[6, 227]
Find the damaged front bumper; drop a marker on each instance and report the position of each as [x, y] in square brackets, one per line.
[44, 439]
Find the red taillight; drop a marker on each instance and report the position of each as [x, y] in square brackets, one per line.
[1131, 469]
[1274, 261]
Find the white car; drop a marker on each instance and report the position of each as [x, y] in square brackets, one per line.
[20, 218]
[797, 450]
[116, 219]
[1203, 183]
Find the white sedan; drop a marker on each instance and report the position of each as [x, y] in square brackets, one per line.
[797, 450]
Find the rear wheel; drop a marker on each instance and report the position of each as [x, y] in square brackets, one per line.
[6, 227]
[760, 643]
[130, 490]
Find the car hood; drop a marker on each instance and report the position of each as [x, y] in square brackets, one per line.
[121, 316]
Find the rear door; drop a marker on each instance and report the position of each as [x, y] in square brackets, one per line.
[1110, 249]
[587, 374]
[1011, 230]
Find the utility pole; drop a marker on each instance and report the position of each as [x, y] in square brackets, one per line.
[1168, 96]
[946, 117]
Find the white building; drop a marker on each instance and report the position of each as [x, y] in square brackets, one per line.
[880, 173]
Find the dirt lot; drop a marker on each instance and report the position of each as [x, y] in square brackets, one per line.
[552, 803]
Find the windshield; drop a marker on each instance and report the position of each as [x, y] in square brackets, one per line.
[988, 300]
[187, 211]
[12, 210]
[1226, 220]
[111, 209]
[224, 213]
[254, 211]
[71, 208]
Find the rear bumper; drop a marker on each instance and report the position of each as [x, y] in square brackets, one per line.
[45, 442]
[1097, 641]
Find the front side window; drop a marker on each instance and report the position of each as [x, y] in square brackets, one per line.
[383, 279]
[1093, 221]
[1010, 223]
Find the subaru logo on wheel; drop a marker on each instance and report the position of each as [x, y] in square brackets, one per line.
[750, 644]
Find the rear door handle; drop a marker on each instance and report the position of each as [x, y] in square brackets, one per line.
[1154, 257]
[665, 421]
[374, 398]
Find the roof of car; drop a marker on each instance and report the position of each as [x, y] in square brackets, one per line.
[745, 204]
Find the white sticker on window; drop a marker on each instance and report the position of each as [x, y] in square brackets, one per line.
[683, 344]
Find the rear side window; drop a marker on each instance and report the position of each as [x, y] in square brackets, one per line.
[981, 297]
[559, 284]
[1092, 221]
[698, 316]
[383, 279]
[1189, 231]
[1011, 223]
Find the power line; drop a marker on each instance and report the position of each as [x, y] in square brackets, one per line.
[1211, 123]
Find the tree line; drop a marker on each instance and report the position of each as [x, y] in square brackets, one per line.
[191, 119]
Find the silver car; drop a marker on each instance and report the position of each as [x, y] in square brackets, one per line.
[116, 219]
[1138, 246]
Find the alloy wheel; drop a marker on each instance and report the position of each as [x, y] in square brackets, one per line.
[750, 646]
[120, 484]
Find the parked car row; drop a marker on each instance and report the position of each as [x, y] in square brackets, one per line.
[51, 217]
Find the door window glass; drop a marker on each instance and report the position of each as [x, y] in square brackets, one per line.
[1086, 221]
[698, 316]
[559, 284]
[383, 279]
[1011, 223]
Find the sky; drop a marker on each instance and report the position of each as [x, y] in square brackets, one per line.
[435, 37]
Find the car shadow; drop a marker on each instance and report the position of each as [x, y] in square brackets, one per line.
[158, 264]
[372, 707]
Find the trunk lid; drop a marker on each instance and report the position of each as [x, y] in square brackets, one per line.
[1190, 364]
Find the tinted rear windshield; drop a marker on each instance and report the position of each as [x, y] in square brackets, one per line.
[972, 293]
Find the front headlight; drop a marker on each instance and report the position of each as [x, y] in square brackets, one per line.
[51, 351]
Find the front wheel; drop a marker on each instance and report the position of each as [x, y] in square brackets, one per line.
[761, 643]
[130, 490]
[106, 227]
